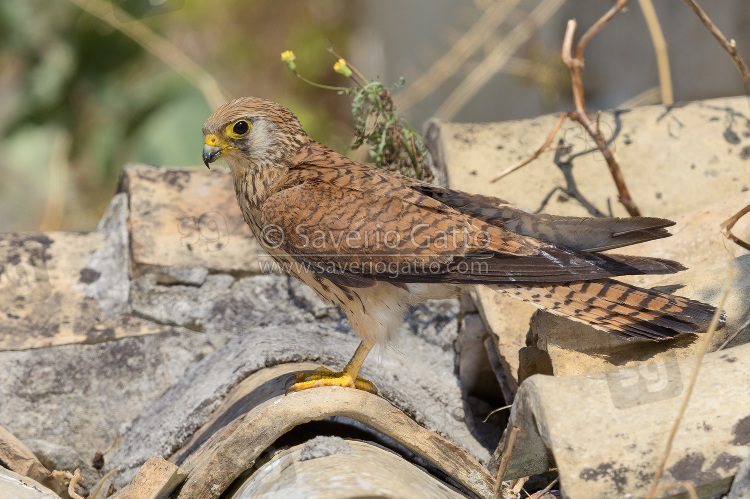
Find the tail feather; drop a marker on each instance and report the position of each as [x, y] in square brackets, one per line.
[618, 308]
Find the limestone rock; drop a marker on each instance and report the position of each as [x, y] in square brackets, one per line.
[15, 486]
[614, 442]
[666, 164]
[367, 471]
[188, 216]
[662, 152]
[156, 479]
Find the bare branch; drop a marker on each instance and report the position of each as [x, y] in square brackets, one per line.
[580, 115]
[538, 152]
[729, 45]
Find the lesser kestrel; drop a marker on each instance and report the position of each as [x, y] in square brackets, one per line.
[376, 242]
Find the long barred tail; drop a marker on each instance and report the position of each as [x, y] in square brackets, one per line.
[621, 309]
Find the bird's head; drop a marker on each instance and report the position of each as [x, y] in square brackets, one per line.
[252, 134]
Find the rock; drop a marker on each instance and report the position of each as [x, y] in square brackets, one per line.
[111, 263]
[188, 216]
[613, 445]
[69, 401]
[662, 152]
[18, 458]
[576, 348]
[508, 320]
[321, 446]
[741, 483]
[665, 162]
[57, 302]
[156, 479]
[407, 382]
[696, 241]
[365, 471]
[15, 486]
[190, 275]
[179, 304]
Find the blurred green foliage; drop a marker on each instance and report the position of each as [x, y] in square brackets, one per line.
[78, 99]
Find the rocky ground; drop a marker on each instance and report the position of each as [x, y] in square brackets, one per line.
[163, 333]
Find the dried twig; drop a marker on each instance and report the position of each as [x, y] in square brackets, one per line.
[538, 152]
[74, 478]
[537, 495]
[660, 48]
[689, 391]
[726, 227]
[682, 483]
[575, 65]
[106, 477]
[729, 45]
[496, 410]
[505, 460]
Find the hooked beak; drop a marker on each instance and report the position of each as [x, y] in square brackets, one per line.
[213, 149]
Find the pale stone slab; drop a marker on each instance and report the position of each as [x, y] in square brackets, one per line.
[47, 292]
[364, 470]
[15, 486]
[188, 216]
[673, 159]
[614, 442]
[156, 479]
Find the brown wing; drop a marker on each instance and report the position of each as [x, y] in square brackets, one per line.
[343, 219]
[581, 233]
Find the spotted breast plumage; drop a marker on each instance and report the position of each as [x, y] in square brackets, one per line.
[375, 242]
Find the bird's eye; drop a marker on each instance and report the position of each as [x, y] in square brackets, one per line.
[239, 129]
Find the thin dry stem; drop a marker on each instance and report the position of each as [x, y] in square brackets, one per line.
[536, 154]
[546, 489]
[74, 479]
[597, 26]
[726, 227]
[506, 459]
[106, 477]
[169, 53]
[496, 59]
[734, 335]
[682, 483]
[575, 65]
[729, 45]
[358, 78]
[691, 385]
[456, 57]
[111, 446]
[496, 410]
[660, 49]
[645, 98]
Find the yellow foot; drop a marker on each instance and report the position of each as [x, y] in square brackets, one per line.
[323, 376]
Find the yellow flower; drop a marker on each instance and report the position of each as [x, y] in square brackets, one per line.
[341, 68]
[288, 57]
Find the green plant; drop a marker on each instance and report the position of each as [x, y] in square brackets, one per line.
[392, 143]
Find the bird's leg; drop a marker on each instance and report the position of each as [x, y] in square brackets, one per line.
[348, 377]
